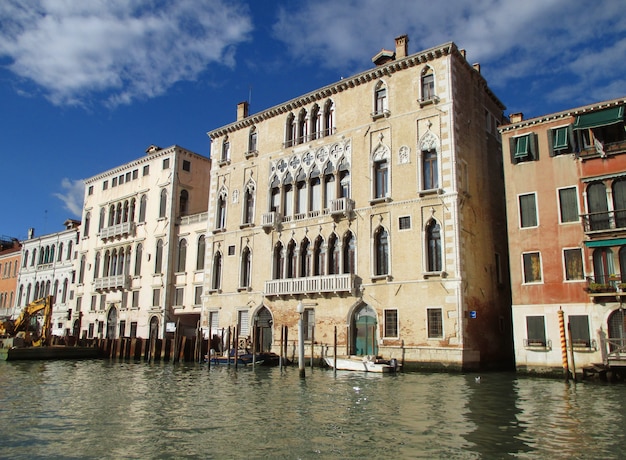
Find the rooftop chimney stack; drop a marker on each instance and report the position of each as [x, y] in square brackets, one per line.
[242, 110]
[516, 117]
[402, 46]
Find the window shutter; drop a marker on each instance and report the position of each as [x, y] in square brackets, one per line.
[533, 147]
[512, 149]
[572, 139]
[551, 142]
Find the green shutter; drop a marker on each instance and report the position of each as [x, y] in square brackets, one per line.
[604, 117]
[521, 147]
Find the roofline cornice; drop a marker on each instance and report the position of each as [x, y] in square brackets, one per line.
[564, 114]
[347, 83]
[146, 158]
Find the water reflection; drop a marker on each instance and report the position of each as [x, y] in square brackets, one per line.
[102, 409]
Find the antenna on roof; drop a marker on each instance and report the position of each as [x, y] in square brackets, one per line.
[249, 95]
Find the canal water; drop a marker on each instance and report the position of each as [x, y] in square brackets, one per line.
[119, 410]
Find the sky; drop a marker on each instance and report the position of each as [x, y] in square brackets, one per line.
[86, 86]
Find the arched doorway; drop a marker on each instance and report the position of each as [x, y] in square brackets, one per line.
[263, 324]
[617, 331]
[111, 323]
[364, 326]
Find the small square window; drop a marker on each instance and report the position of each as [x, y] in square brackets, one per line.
[121, 179]
[146, 170]
[105, 185]
[90, 190]
[536, 331]
[404, 223]
[231, 250]
[128, 176]
[135, 174]
[166, 163]
[186, 165]
[114, 182]
[568, 204]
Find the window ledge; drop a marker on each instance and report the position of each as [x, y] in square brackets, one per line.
[441, 274]
[223, 162]
[247, 225]
[219, 230]
[214, 291]
[431, 100]
[385, 199]
[381, 277]
[432, 191]
[244, 289]
[251, 153]
[382, 114]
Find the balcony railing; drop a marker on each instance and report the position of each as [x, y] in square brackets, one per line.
[123, 229]
[341, 206]
[311, 285]
[270, 219]
[606, 286]
[604, 221]
[609, 148]
[112, 282]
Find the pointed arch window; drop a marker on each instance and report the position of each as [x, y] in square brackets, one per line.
[246, 268]
[225, 157]
[318, 257]
[201, 253]
[220, 218]
[248, 203]
[163, 203]
[182, 255]
[619, 202]
[252, 141]
[102, 218]
[279, 261]
[433, 240]
[87, 224]
[96, 266]
[316, 122]
[290, 130]
[291, 260]
[158, 259]
[275, 195]
[349, 253]
[138, 256]
[430, 169]
[381, 178]
[329, 118]
[315, 198]
[301, 195]
[597, 204]
[184, 202]
[303, 128]
[288, 195]
[216, 281]
[304, 258]
[381, 252]
[143, 204]
[333, 255]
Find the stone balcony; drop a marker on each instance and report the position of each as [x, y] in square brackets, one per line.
[123, 229]
[112, 282]
[334, 284]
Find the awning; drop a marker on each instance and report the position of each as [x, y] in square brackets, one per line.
[600, 118]
[605, 243]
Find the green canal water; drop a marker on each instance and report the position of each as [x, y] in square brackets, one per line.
[120, 410]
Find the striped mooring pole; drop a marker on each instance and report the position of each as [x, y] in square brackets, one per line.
[563, 344]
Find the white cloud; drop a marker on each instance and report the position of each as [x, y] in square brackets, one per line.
[73, 196]
[546, 44]
[118, 49]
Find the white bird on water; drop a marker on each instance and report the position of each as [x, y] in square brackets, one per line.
[477, 379]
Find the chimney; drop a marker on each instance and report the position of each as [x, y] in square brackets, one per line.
[242, 110]
[402, 46]
[476, 67]
[516, 117]
[31, 233]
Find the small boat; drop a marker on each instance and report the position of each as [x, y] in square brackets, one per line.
[245, 358]
[364, 364]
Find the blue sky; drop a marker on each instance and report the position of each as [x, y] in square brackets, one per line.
[86, 86]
